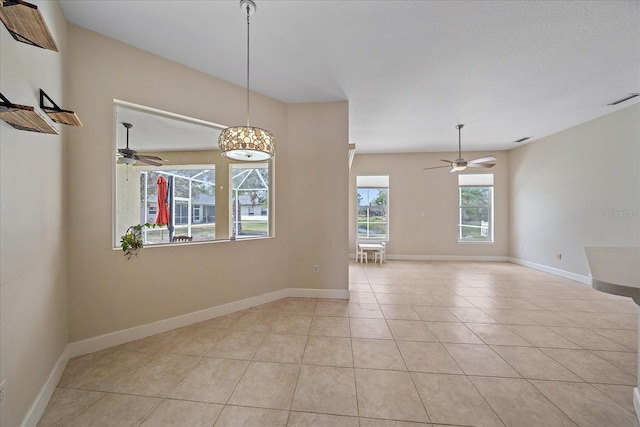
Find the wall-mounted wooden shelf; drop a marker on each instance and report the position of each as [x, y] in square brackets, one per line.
[24, 117]
[57, 114]
[26, 24]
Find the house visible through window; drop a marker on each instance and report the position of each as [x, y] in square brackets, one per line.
[249, 196]
[373, 207]
[190, 202]
[475, 207]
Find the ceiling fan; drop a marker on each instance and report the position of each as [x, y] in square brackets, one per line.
[461, 164]
[130, 157]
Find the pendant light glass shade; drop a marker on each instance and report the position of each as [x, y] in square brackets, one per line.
[247, 143]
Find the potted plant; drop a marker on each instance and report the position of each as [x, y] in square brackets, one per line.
[132, 240]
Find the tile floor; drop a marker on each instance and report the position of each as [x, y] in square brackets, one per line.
[418, 344]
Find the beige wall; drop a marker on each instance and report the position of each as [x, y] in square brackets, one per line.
[577, 188]
[127, 188]
[318, 199]
[33, 322]
[108, 293]
[414, 191]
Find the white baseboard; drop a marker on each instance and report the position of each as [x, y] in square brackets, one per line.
[448, 258]
[318, 293]
[46, 391]
[636, 402]
[552, 270]
[112, 339]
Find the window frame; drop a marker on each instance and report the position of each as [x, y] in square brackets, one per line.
[372, 182]
[489, 185]
[251, 217]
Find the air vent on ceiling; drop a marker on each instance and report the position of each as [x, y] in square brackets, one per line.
[626, 98]
[523, 139]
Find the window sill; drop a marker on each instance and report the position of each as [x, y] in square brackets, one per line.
[471, 242]
[205, 242]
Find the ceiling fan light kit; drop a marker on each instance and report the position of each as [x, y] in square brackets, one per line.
[461, 164]
[247, 143]
[126, 161]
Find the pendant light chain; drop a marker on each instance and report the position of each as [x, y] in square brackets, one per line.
[248, 14]
[246, 143]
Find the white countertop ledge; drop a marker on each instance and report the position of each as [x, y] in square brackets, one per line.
[615, 270]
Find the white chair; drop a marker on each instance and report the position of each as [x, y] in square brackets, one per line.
[361, 254]
[380, 255]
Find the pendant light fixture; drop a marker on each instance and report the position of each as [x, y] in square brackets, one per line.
[247, 143]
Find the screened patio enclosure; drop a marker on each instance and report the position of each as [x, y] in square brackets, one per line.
[250, 200]
[191, 200]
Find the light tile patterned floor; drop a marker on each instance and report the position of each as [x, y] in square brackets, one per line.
[418, 344]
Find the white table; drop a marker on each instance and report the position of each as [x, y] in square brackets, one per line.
[365, 248]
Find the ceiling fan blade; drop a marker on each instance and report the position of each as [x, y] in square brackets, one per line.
[448, 161]
[437, 167]
[453, 170]
[145, 156]
[149, 162]
[481, 165]
[483, 159]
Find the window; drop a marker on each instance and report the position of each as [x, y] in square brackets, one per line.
[249, 195]
[475, 208]
[372, 197]
[190, 194]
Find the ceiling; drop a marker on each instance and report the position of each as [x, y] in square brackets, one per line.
[411, 70]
